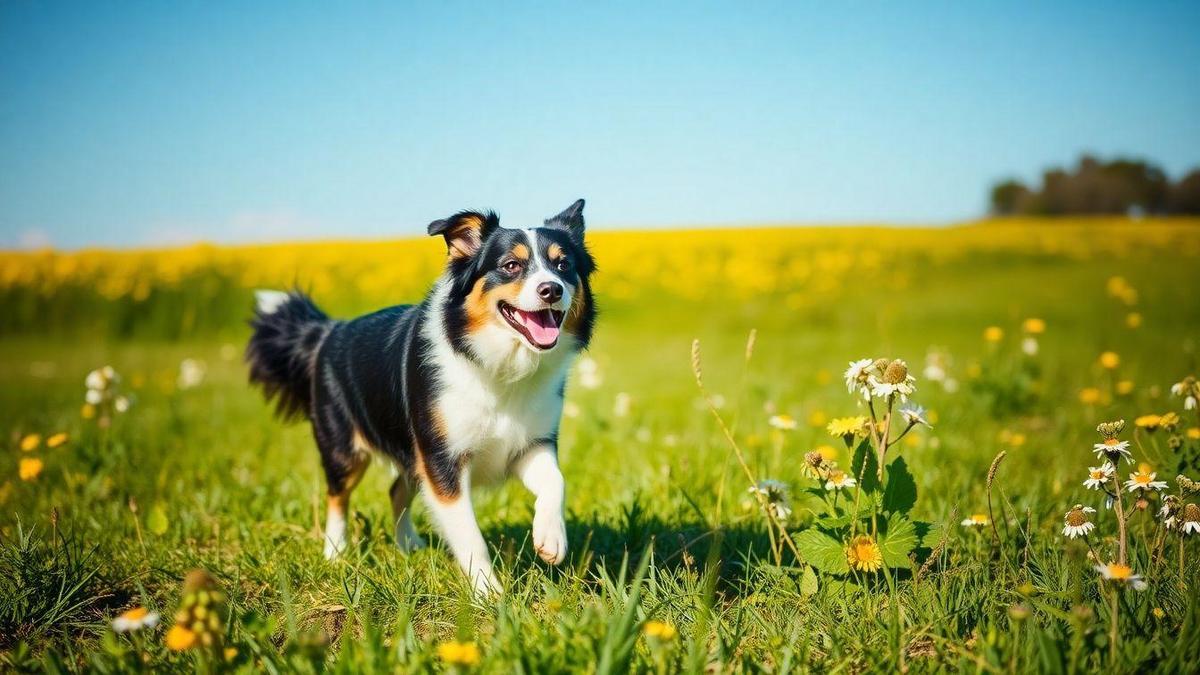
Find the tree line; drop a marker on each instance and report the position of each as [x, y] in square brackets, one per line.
[1122, 186]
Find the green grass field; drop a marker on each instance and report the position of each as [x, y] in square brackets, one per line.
[673, 566]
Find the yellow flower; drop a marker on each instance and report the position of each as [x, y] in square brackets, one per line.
[976, 520]
[993, 334]
[1133, 319]
[88, 411]
[1158, 612]
[459, 653]
[817, 418]
[56, 440]
[1034, 326]
[135, 619]
[1148, 422]
[782, 422]
[660, 630]
[1089, 395]
[31, 442]
[1194, 433]
[179, 638]
[842, 427]
[29, 468]
[1125, 387]
[827, 452]
[863, 554]
[1110, 360]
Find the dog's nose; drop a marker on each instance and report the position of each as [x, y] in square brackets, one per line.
[550, 291]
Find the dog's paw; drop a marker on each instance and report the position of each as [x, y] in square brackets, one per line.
[550, 536]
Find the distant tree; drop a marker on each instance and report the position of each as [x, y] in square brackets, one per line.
[1122, 186]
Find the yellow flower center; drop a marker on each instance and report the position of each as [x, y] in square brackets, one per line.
[837, 475]
[1119, 571]
[1098, 475]
[1142, 478]
[863, 554]
[1076, 517]
[1110, 441]
[979, 518]
[135, 614]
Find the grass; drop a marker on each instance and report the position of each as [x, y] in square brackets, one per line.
[659, 518]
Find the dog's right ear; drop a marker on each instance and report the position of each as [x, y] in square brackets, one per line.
[465, 232]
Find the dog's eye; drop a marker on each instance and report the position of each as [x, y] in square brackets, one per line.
[562, 265]
[511, 267]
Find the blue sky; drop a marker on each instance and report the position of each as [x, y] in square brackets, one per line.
[128, 123]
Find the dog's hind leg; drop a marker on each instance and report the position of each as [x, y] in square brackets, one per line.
[402, 493]
[344, 463]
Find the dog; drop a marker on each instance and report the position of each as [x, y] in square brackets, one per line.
[464, 389]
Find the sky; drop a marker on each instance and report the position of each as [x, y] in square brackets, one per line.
[153, 123]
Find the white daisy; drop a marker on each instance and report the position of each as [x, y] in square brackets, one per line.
[135, 619]
[1030, 346]
[1121, 574]
[1076, 523]
[1111, 448]
[976, 520]
[1191, 520]
[1169, 511]
[775, 494]
[914, 414]
[903, 389]
[1144, 480]
[1099, 475]
[856, 377]
[839, 480]
[782, 422]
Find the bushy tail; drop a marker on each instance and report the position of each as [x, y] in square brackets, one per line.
[282, 354]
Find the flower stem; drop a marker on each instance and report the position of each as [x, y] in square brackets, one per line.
[1120, 507]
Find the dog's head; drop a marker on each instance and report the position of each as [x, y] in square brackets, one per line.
[516, 289]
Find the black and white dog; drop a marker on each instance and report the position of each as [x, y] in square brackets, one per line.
[463, 389]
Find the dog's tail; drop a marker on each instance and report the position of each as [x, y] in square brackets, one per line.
[282, 353]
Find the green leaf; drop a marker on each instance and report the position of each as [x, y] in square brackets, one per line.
[156, 520]
[808, 582]
[901, 492]
[899, 540]
[865, 454]
[822, 551]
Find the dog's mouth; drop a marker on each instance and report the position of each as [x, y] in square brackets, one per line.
[540, 328]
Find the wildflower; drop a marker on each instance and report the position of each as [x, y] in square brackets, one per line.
[121, 404]
[1194, 433]
[1076, 521]
[1089, 395]
[857, 375]
[847, 428]
[29, 468]
[895, 380]
[1191, 519]
[775, 494]
[1125, 387]
[914, 414]
[1034, 326]
[782, 422]
[1113, 450]
[993, 334]
[1029, 345]
[1169, 511]
[191, 373]
[56, 440]
[827, 452]
[1144, 480]
[31, 442]
[1122, 574]
[179, 638]
[589, 373]
[1169, 421]
[201, 612]
[88, 411]
[459, 653]
[1099, 475]
[976, 520]
[135, 619]
[838, 480]
[660, 630]
[1110, 360]
[815, 464]
[1148, 422]
[1189, 390]
[1158, 613]
[863, 554]
[1133, 320]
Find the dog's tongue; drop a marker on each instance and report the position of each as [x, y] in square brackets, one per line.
[541, 326]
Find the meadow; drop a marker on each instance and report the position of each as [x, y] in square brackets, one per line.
[720, 363]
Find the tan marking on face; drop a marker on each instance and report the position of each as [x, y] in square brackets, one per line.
[554, 251]
[481, 305]
[521, 252]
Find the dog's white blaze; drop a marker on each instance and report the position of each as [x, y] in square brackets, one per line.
[268, 300]
[541, 271]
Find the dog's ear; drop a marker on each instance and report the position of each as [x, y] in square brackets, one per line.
[465, 231]
[570, 220]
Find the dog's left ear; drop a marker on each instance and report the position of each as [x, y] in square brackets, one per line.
[465, 231]
[570, 220]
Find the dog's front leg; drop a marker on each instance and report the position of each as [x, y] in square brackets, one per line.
[538, 470]
[455, 518]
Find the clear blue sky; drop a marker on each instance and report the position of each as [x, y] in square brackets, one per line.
[126, 123]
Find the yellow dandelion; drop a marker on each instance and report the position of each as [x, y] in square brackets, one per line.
[459, 653]
[1148, 422]
[56, 440]
[1125, 387]
[993, 334]
[976, 520]
[827, 452]
[863, 554]
[660, 630]
[1034, 326]
[180, 638]
[1089, 395]
[1194, 433]
[1110, 360]
[31, 442]
[1133, 320]
[88, 411]
[29, 468]
[842, 427]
